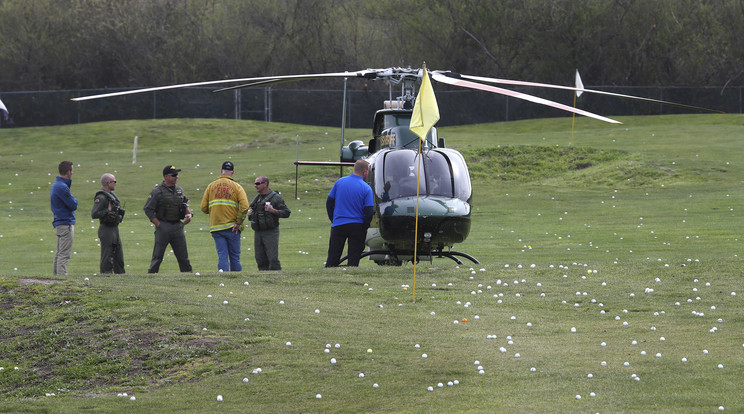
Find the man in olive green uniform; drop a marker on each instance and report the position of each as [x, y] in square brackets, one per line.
[166, 206]
[107, 209]
[266, 209]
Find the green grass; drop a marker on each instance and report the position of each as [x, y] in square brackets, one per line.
[593, 222]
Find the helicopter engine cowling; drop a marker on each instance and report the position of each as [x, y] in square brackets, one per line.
[356, 150]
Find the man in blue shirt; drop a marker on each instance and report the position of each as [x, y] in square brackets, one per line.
[350, 206]
[63, 206]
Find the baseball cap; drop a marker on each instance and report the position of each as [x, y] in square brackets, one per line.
[227, 165]
[170, 170]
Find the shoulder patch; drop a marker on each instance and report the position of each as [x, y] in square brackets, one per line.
[98, 200]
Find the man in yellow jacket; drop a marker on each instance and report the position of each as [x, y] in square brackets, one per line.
[227, 205]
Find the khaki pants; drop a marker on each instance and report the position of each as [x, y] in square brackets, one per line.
[65, 235]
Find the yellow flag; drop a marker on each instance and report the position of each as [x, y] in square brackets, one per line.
[425, 111]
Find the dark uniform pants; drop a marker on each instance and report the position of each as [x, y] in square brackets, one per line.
[266, 246]
[170, 233]
[112, 255]
[356, 233]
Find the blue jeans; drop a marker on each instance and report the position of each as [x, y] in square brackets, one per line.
[227, 243]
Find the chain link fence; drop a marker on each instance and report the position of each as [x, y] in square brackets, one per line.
[324, 107]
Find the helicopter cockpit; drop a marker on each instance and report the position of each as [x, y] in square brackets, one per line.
[443, 173]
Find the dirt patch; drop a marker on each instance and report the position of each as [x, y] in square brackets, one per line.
[24, 282]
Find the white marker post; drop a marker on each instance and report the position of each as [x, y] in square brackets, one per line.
[134, 150]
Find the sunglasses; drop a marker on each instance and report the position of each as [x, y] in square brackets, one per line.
[173, 175]
[113, 181]
[259, 182]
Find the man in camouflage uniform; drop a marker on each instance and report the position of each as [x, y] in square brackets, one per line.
[166, 206]
[107, 209]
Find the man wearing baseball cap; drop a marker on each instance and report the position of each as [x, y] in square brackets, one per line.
[227, 205]
[166, 207]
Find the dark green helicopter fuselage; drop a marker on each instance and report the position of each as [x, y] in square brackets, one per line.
[398, 173]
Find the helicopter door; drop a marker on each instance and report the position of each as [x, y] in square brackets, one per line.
[456, 166]
[438, 174]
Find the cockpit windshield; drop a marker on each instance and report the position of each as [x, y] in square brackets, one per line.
[443, 173]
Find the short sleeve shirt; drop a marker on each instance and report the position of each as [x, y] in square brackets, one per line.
[352, 194]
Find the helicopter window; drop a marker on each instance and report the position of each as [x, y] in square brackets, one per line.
[405, 138]
[438, 175]
[397, 119]
[460, 176]
[447, 175]
[399, 176]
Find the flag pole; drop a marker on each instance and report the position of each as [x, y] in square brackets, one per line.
[425, 115]
[415, 231]
[573, 120]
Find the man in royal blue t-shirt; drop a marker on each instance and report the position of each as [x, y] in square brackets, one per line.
[350, 207]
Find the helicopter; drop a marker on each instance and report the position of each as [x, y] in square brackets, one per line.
[400, 161]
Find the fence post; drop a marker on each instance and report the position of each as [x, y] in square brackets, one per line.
[238, 104]
[267, 103]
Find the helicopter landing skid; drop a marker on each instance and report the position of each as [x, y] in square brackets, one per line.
[449, 254]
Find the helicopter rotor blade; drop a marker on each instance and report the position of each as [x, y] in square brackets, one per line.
[456, 80]
[248, 85]
[369, 73]
[594, 91]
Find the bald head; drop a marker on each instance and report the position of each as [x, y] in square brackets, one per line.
[108, 182]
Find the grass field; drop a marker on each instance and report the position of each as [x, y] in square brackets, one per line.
[610, 278]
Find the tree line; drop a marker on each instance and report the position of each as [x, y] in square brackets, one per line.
[81, 44]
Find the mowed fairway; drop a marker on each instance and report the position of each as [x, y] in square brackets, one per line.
[610, 278]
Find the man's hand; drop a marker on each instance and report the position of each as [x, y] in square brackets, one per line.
[187, 219]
